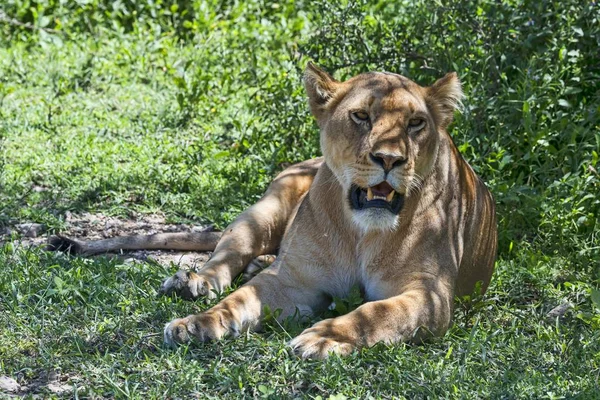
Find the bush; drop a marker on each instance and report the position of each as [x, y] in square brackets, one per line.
[531, 75]
[530, 71]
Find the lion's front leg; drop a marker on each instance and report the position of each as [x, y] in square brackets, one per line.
[243, 309]
[239, 311]
[410, 316]
[257, 231]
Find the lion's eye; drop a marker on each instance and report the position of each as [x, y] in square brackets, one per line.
[360, 116]
[416, 124]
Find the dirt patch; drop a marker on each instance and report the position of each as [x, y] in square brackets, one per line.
[89, 226]
[98, 226]
[45, 383]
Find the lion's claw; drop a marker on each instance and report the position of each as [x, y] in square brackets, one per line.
[201, 327]
[320, 341]
[188, 285]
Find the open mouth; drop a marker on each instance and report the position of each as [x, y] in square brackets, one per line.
[378, 196]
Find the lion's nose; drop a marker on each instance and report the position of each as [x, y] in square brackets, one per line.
[388, 161]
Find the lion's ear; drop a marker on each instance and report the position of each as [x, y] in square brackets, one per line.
[444, 97]
[320, 87]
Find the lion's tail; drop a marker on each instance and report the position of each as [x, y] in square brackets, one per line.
[186, 241]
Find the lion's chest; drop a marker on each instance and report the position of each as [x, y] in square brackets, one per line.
[387, 265]
[368, 266]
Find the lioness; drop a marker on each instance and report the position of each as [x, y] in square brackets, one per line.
[391, 206]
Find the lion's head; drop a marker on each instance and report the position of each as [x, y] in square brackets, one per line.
[380, 135]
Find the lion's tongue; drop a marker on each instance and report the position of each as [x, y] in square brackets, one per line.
[381, 191]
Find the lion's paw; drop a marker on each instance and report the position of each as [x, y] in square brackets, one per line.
[201, 327]
[321, 340]
[189, 285]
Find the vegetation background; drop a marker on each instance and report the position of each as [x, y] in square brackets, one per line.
[191, 107]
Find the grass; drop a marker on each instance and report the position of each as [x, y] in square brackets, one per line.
[191, 111]
[95, 322]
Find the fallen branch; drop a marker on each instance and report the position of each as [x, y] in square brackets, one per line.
[11, 21]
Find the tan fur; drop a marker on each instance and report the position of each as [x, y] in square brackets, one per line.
[409, 266]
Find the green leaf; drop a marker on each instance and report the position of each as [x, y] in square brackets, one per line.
[564, 103]
[337, 397]
[562, 53]
[59, 283]
[596, 298]
[221, 154]
[44, 21]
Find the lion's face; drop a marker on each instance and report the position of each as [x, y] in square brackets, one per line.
[380, 141]
[380, 136]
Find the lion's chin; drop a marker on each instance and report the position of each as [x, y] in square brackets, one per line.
[375, 219]
[375, 208]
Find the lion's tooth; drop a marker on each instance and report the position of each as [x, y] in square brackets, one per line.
[369, 194]
[390, 196]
